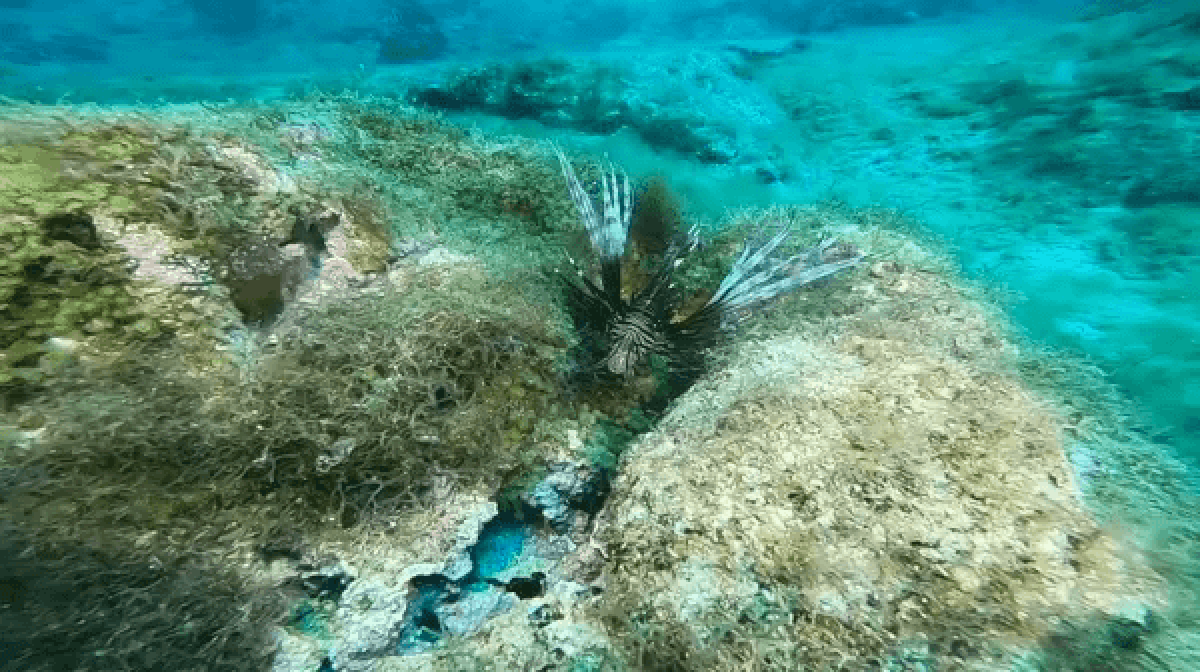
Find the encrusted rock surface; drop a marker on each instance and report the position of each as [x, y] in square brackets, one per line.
[846, 489]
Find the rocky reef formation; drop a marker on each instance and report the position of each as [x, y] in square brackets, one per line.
[657, 99]
[290, 396]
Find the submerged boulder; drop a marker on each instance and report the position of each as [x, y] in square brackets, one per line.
[870, 487]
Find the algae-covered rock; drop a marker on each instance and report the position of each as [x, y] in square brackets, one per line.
[224, 362]
[603, 98]
[846, 488]
[119, 231]
[861, 479]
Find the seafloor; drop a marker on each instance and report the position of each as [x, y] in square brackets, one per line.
[288, 384]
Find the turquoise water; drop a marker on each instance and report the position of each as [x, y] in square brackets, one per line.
[1052, 148]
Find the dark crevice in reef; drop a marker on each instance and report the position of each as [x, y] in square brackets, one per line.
[440, 606]
[517, 556]
[506, 556]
